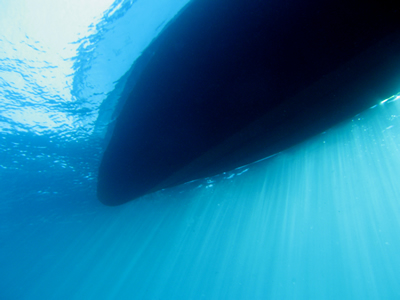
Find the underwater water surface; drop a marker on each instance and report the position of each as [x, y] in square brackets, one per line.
[320, 220]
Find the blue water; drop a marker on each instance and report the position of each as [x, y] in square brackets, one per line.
[318, 221]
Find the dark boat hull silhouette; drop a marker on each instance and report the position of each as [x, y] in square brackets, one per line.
[230, 82]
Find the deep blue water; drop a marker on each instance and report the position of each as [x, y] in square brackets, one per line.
[318, 221]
